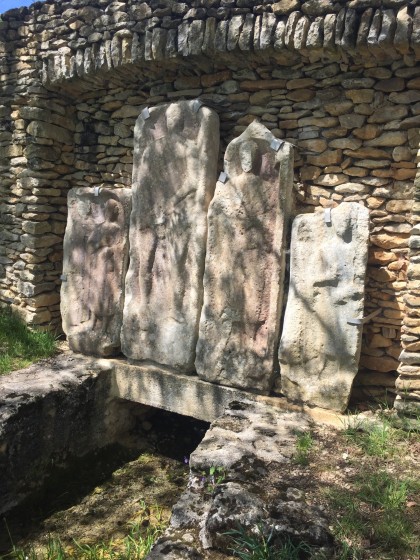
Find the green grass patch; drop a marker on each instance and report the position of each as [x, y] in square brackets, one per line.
[304, 445]
[134, 546]
[374, 513]
[21, 346]
[251, 546]
[383, 438]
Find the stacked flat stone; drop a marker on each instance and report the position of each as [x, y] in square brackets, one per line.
[343, 87]
[130, 32]
[408, 383]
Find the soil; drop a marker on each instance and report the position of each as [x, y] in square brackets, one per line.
[100, 497]
[337, 464]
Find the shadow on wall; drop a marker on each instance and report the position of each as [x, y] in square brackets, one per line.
[8, 212]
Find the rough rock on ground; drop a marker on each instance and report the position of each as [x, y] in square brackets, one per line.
[231, 485]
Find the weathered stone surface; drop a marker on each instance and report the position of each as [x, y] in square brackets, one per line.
[319, 351]
[174, 176]
[56, 408]
[380, 363]
[245, 444]
[40, 129]
[284, 7]
[244, 271]
[317, 7]
[49, 144]
[94, 266]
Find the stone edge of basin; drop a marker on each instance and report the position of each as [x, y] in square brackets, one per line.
[144, 383]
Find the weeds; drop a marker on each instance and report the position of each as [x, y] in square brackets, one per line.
[134, 546]
[379, 438]
[304, 444]
[216, 475]
[374, 512]
[383, 491]
[353, 425]
[20, 346]
[251, 546]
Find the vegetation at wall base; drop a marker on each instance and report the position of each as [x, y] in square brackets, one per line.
[134, 546]
[19, 345]
[304, 444]
[377, 508]
[257, 546]
[364, 477]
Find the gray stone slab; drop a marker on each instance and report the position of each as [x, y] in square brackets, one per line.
[175, 162]
[94, 267]
[243, 280]
[319, 350]
[176, 392]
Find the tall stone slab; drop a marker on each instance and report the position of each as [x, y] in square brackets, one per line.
[320, 344]
[94, 267]
[243, 281]
[176, 150]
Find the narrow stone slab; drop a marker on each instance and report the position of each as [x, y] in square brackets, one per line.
[319, 350]
[176, 149]
[94, 267]
[243, 281]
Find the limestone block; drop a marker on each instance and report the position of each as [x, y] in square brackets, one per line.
[402, 33]
[319, 351]
[244, 271]
[94, 266]
[174, 175]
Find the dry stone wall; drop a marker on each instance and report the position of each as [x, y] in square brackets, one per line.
[339, 80]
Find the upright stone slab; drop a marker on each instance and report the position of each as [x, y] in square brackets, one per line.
[243, 281]
[94, 268]
[320, 348]
[176, 149]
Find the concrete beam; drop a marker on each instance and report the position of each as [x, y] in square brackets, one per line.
[184, 394]
[152, 385]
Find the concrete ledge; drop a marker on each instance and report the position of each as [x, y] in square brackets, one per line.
[160, 388]
[152, 385]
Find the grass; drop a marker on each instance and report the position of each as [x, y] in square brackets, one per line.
[134, 546]
[304, 445]
[376, 511]
[373, 514]
[364, 479]
[373, 509]
[21, 346]
[250, 546]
